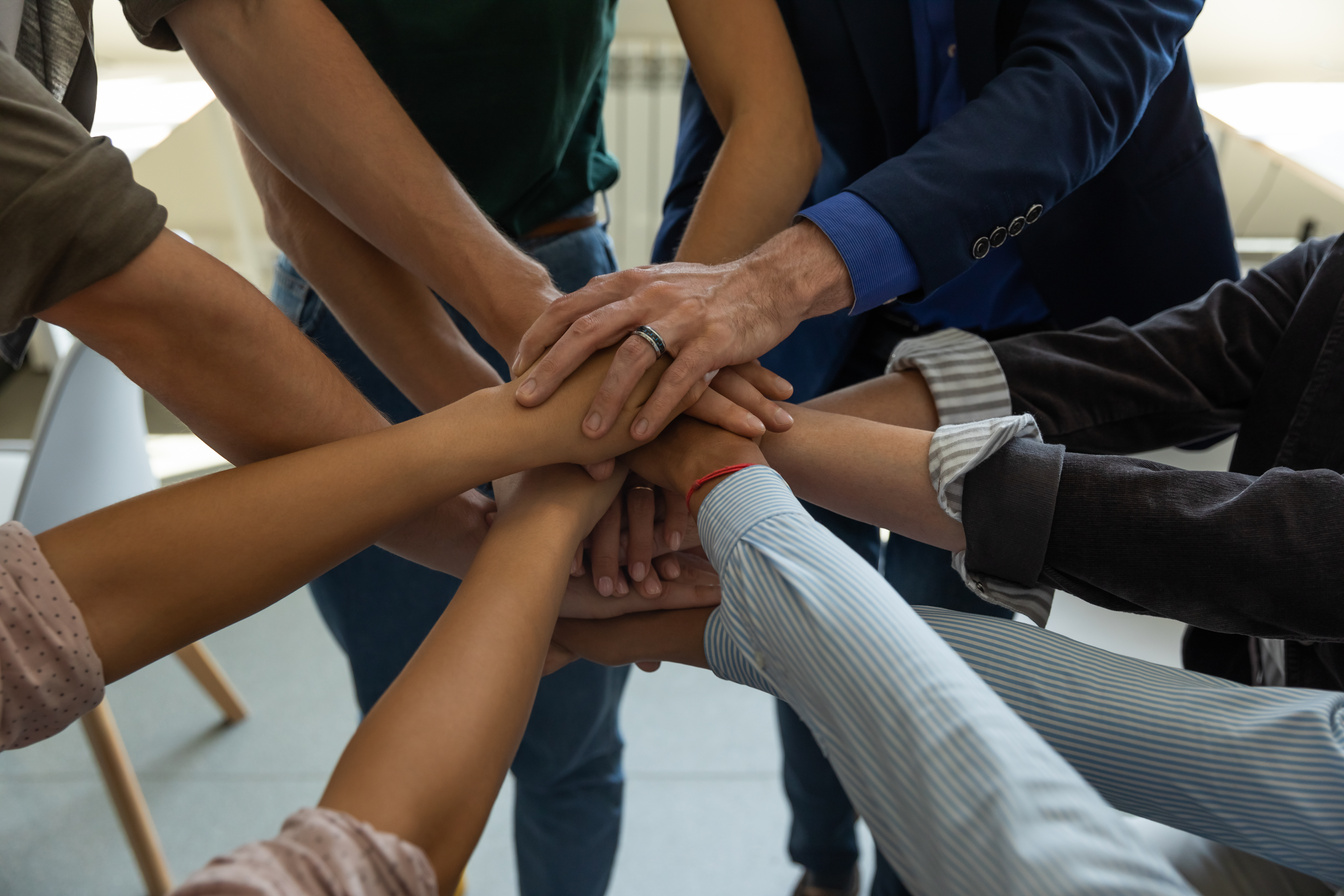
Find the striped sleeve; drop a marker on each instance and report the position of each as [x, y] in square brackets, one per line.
[962, 373]
[1259, 769]
[942, 771]
[955, 451]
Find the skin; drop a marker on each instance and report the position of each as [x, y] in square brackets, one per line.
[159, 571]
[334, 214]
[710, 317]
[872, 471]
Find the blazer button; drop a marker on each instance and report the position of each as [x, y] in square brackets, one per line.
[997, 237]
[1017, 225]
[981, 247]
[1034, 213]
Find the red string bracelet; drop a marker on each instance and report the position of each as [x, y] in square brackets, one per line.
[715, 475]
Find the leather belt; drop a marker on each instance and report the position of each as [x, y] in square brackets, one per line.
[561, 226]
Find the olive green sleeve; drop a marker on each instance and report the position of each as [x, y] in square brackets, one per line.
[70, 211]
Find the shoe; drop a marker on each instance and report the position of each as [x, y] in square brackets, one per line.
[808, 886]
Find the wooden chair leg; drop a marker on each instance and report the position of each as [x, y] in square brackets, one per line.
[128, 799]
[201, 664]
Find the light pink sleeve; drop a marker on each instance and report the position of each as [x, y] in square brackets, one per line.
[320, 852]
[49, 674]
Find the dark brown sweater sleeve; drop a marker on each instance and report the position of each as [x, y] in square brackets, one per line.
[70, 211]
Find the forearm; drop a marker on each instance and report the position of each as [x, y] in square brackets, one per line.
[336, 131]
[204, 342]
[900, 716]
[428, 761]
[672, 636]
[896, 399]
[755, 187]
[392, 317]
[869, 471]
[164, 569]
[1223, 551]
[1178, 747]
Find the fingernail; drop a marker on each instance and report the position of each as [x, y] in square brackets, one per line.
[594, 422]
[755, 424]
[527, 388]
[621, 587]
[641, 428]
[673, 569]
[637, 572]
[674, 541]
[513, 365]
[655, 587]
[783, 418]
[604, 586]
[574, 568]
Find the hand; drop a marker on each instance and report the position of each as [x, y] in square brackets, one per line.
[696, 586]
[709, 318]
[689, 449]
[556, 425]
[628, 534]
[562, 489]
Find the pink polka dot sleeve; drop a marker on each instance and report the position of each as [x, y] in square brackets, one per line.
[319, 851]
[49, 674]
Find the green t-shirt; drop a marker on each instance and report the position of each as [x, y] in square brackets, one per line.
[508, 92]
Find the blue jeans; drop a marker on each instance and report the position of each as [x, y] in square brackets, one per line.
[379, 607]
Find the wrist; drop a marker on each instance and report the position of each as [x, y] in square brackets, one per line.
[803, 269]
[691, 476]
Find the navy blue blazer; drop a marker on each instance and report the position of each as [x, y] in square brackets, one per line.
[1085, 108]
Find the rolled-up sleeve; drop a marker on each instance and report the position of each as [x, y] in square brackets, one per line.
[71, 212]
[148, 19]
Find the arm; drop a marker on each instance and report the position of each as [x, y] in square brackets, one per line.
[392, 316]
[160, 571]
[1182, 375]
[911, 731]
[428, 761]
[745, 64]
[338, 133]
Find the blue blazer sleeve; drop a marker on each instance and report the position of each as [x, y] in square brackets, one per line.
[1073, 83]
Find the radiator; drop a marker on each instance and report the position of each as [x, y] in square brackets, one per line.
[640, 118]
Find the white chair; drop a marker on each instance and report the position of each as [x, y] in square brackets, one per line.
[88, 451]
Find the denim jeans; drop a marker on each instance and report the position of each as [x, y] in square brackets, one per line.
[379, 607]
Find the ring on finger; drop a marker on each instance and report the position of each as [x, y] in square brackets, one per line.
[650, 335]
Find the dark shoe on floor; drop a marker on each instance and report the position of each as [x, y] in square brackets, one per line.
[810, 885]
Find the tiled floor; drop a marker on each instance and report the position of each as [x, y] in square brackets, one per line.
[705, 809]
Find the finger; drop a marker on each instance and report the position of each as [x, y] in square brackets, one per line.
[715, 409]
[576, 565]
[602, 470]
[622, 584]
[677, 382]
[639, 505]
[551, 324]
[764, 380]
[650, 665]
[605, 551]
[605, 326]
[652, 586]
[743, 393]
[676, 516]
[668, 567]
[633, 358]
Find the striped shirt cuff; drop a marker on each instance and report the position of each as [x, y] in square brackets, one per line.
[962, 372]
[955, 451]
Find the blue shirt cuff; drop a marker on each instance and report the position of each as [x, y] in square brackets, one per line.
[881, 268]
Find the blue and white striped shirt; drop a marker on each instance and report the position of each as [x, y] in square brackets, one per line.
[960, 794]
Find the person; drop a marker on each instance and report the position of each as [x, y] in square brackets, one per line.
[960, 794]
[994, 167]
[1194, 751]
[523, 133]
[1247, 556]
[88, 602]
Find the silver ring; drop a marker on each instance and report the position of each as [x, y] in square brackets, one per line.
[650, 335]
